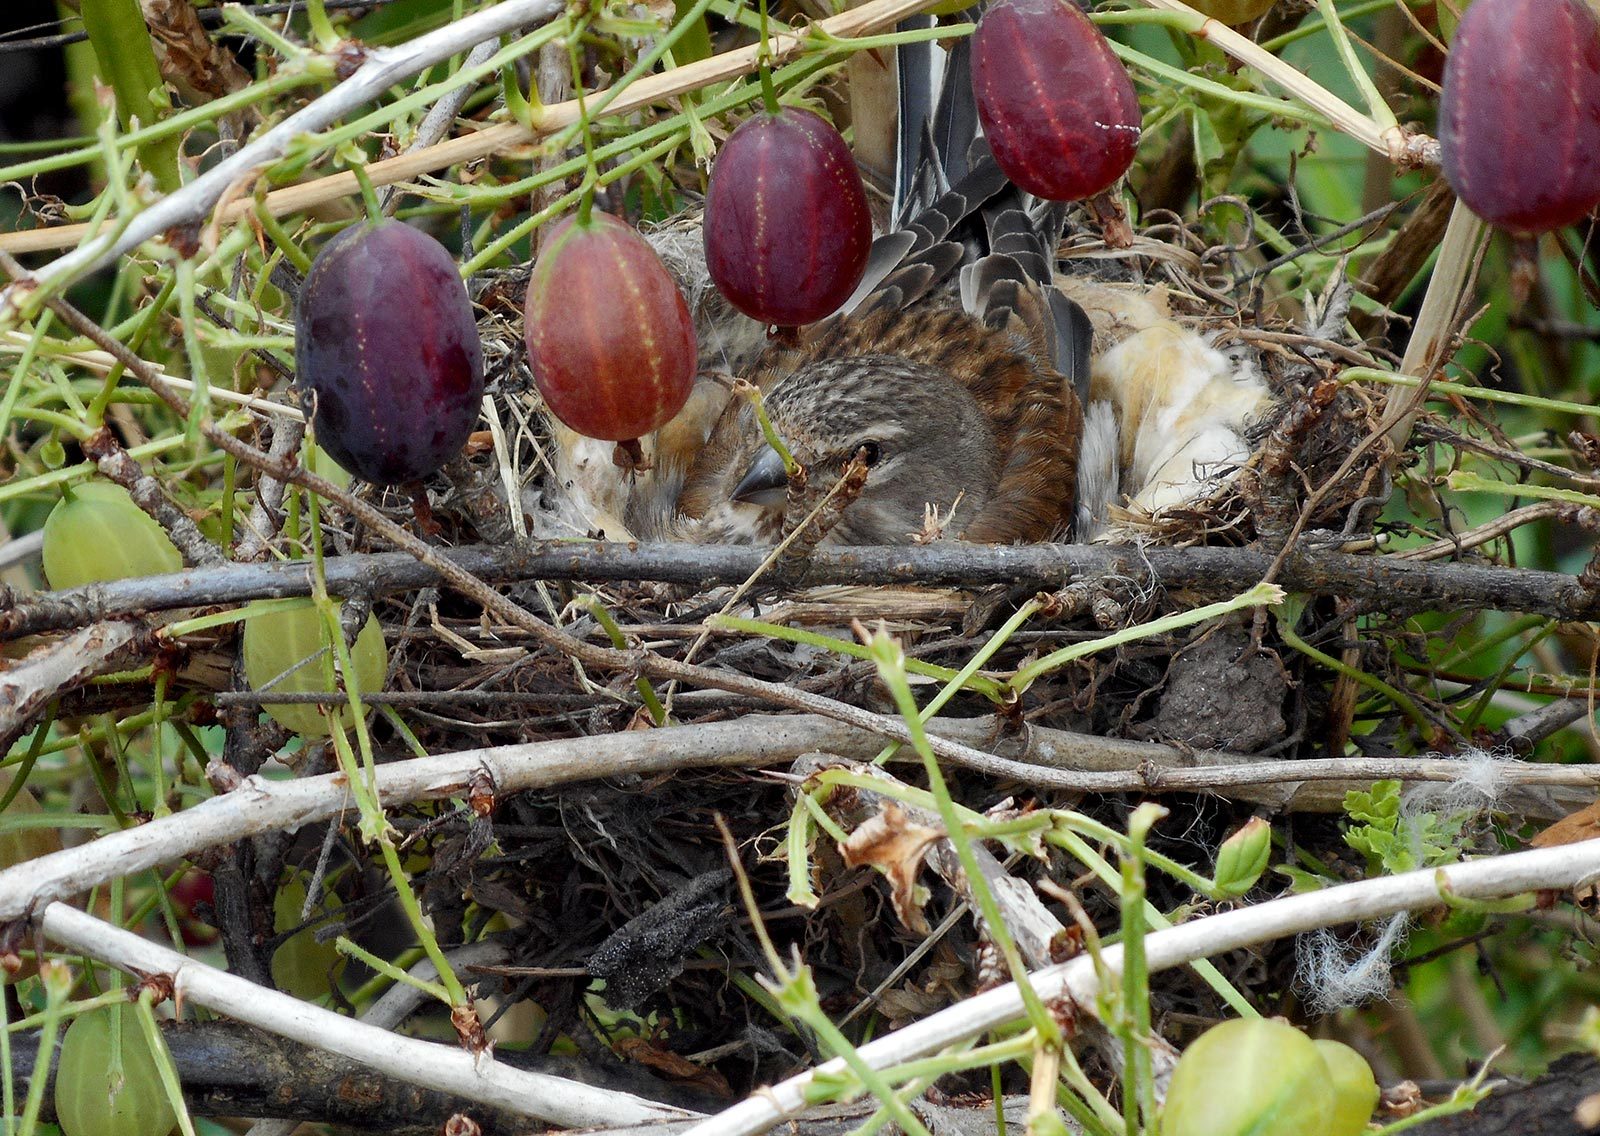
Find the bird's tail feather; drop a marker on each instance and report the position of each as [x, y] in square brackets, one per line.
[938, 119]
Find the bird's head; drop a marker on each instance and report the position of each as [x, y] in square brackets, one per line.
[921, 436]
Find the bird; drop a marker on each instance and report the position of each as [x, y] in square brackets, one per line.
[985, 396]
[962, 409]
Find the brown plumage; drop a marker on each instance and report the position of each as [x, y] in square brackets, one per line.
[954, 377]
[961, 376]
[982, 427]
[976, 397]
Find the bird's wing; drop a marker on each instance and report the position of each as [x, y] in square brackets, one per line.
[938, 120]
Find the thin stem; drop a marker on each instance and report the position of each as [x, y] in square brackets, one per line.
[647, 692]
[369, 194]
[1261, 594]
[985, 686]
[769, 97]
[1138, 1084]
[891, 670]
[1371, 682]
[1376, 106]
[585, 127]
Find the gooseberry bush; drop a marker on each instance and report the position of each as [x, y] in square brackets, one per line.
[334, 337]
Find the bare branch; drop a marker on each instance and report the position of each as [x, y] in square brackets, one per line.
[57, 668]
[444, 1068]
[1556, 869]
[1369, 583]
[1053, 759]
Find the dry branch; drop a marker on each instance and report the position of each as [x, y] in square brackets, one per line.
[1369, 583]
[57, 668]
[443, 1068]
[1053, 759]
[1557, 869]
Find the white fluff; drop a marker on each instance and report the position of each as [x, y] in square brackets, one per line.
[1182, 407]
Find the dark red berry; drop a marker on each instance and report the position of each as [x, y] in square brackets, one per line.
[787, 227]
[610, 339]
[1057, 105]
[1519, 120]
[194, 889]
[386, 344]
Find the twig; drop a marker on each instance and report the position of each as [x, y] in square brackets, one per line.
[383, 68]
[1487, 532]
[26, 687]
[264, 520]
[192, 205]
[440, 118]
[429, 1064]
[1525, 731]
[1054, 759]
[118, 465]
[1368, 583]
[1555, 869]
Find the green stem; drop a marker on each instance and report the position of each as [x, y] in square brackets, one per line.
[1477, 649]
[369, 193]
[166, 1071]
[1371, 682]
[149, 320]
[1261, 594]
[388, 969]
[1138, 1079]
[985, 686]
[1464, 481]
[585, 127]
[1086, 855]
[56, 979]
[127, 61]
[647, 692]
[493, 249]
[1276, 45]
[1376, 106]
[1265, 104]
[199, 374]
[769, 431]
[891, 670]
[1493, 685]
[361, 780]
[321, 27]
[23, 368]
[817, 34]
[280, 237]
[769, 96]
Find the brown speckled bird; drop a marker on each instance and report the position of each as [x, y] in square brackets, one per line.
[960, 375]
[947, 414]
[959, 401]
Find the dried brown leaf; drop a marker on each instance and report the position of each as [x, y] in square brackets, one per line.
[894, 845]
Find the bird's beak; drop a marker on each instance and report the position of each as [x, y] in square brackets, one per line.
[765, 482]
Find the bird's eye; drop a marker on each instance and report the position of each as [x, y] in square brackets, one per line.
[869, 453]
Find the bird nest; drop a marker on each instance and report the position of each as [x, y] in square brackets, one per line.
[625, 878]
